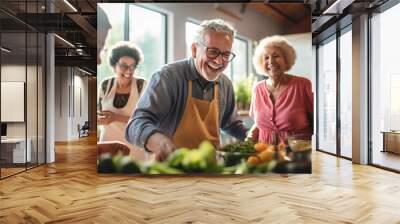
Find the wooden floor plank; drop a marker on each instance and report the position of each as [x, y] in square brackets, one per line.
[70, 191]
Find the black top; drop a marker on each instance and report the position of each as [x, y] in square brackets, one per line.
[120, 99]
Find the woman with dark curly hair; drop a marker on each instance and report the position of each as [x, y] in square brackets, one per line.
[119, 94]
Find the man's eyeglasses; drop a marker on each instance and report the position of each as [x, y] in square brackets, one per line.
[213, 53]
[125, 67]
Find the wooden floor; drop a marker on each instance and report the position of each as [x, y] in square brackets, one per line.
[10, 171]
[70, 191]
[387, 159]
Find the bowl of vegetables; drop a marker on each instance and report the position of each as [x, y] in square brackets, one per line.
[233, 154]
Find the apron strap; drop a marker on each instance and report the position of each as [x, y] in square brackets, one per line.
[216, 91]
[190, 89]
[109, 86]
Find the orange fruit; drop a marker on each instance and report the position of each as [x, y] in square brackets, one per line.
[281, 147]
[271, 148]
[254, 160]
[281, 155]
[259, 147]
[266, 155]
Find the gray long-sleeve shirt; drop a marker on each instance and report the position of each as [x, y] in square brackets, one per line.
[161, 107]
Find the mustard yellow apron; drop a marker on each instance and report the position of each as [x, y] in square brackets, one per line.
[200, 121]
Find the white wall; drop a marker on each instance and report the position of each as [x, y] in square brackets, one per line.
[69, 82]
[303, 47]
[252, 24]
[61, 103]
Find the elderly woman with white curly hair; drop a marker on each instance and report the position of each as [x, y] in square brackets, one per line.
[282, 104]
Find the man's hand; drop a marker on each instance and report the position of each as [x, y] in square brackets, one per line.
[112, 147]
[105, 117]
[253, 134]
[160, 145]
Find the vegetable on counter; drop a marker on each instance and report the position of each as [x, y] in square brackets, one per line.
[201, 160]
[184, 160]
[117, 164]
[161, 168]
[245, 147]
[105, 164]
[247, 168]
[238, 158]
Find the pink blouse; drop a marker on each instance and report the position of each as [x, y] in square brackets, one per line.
[290, 114]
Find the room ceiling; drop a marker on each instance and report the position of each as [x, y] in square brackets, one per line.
[294, 17]
[79, 27]
[328, 16]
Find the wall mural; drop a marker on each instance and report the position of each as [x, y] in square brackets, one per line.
[225, 90]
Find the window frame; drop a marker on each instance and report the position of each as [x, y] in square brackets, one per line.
[40, 52]
[333, 37]
[247, 57]
[379, 10]
[329, 39]
[163, 13]
[341, 32]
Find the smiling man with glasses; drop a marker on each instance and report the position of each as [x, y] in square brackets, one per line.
[189, 101]
[213, 53]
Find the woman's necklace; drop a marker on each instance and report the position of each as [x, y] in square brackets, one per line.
[275, 89]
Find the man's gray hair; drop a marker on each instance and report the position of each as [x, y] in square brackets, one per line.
[214, 25]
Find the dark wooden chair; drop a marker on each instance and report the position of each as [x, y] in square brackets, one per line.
[84, 130]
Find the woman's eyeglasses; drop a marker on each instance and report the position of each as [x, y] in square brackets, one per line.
[125, 67]
[213, 53]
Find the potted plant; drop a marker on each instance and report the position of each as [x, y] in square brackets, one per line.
[243, 89]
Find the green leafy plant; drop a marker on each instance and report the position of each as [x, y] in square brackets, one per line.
[243, 90]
